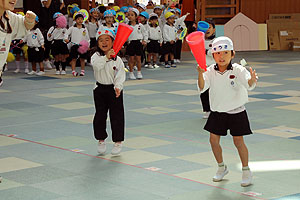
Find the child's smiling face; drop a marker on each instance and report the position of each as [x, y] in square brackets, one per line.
[223, 58]
[79, 20]
[96, 15]
[171, 20]
[7, 4]
[105, 43]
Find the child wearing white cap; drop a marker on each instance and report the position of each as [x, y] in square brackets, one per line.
[228, 84]
[108, 95]
[136, 40]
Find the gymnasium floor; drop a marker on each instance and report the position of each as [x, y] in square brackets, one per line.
[47, 149]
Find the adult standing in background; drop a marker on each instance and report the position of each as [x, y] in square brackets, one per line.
[11, 26]
[48, 8]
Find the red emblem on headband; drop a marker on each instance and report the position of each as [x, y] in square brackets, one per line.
[106, 31]
[232, 76]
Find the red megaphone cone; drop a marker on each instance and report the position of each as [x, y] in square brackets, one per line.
[196, 43]
[123, 33]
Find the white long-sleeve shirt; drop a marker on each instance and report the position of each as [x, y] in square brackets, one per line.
[169, 33]
[139, 33]
[113, 27]
[77, 34]
[18, 31]
[92, 28]
[34, 38]
[179, 24]
[154, 33]
[107, 71]
[227, 90]
[56, 33]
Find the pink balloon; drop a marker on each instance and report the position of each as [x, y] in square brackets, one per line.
[123, 34]
[61, 22]
[84, 46]
[197, 46]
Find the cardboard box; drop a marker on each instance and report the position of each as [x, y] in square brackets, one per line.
[295, 46]
[288, 36]
[289, 16]
[274, 26]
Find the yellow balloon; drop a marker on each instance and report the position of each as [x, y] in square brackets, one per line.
[25, 51]
[10, 57]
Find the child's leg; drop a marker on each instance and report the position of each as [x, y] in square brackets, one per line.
[33, 66]
[57, 62]
[216, 148]
[138, 62]
[41, 64]
[149, 58]
[116, 115]
[99, 122]
[242, 149]
[73, 64]
[131, 63]
[154, 55]
[18, 58]
[64, 62]
[172, 57]
[82, 63]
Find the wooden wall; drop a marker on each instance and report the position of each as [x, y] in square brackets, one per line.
[259, 10]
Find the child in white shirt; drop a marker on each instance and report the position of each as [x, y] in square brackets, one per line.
[228, 84]
[77, 33]
[169, 35]
[35, 42]
[108, 94]
[155, 40]
[136, 41]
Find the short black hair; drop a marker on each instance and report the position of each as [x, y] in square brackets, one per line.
[79, 15]
[102, 9]
[211, 21]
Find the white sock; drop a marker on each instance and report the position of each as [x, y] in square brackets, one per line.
[18, 64]
[26, 65]
[245, 168]
[221, 165]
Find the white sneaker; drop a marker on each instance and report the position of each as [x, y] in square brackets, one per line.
[116, 149]
[63, 72]
[246, 178]
[40, 73]
[17, 71]
[26, 71]
[135, 68]
[150, 67]
[155, 66]
[206, 115]
[139, 75]
[101, 147]
[47, 64]
[1, 81]
[32, 73]
[146, 65]
[131, 76]
[177, 61]
[57, 72]
[222, 171]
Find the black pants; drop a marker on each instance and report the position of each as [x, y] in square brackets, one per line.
[178, 46]
[205, 101]
[105, 100]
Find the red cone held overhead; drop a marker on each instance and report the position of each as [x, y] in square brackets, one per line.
[123, 33]
[197, 46]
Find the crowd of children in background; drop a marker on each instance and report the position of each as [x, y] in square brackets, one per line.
[156, 34]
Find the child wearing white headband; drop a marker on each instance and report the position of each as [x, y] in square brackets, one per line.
[228, 84]
[108, 93]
